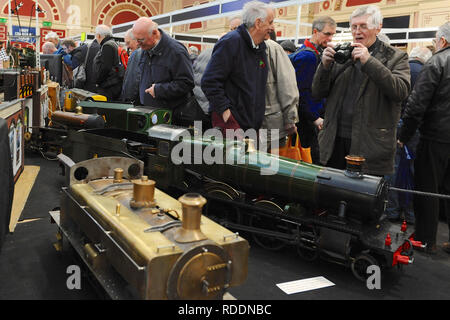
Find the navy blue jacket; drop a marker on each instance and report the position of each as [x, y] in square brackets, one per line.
[415, 67]
[236, 78]
[169, 67]
[130, 86]
[305, 61]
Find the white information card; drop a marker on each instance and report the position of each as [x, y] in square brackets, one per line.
[304, 285]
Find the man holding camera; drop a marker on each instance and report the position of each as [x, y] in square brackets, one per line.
[364, 94]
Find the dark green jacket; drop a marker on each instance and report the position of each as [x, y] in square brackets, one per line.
[385, 84]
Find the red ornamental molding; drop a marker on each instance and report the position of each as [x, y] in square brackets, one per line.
[351, 3]
[121, 11]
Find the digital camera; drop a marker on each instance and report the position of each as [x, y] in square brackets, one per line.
[343, 52]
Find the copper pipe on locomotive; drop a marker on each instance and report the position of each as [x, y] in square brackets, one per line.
[78, 119]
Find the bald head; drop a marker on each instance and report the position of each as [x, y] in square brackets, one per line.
[146, 33]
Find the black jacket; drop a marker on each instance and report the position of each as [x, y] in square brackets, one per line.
[7, 179]
[428, 106]
[167, 66]
[94, 47]
[105, 64]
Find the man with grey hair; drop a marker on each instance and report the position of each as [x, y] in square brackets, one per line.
[108, 70]
[235, 22]
[165, 72]
[130, 41]
[53, 37]
[193, 53]
[235, 79]
[305, 61]
[48, 48]
[130, 87]
[364, 95]
[417, 58]
[428, 109]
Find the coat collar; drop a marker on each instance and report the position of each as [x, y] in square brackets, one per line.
[105, 39]
[157, 50]
[242, 30]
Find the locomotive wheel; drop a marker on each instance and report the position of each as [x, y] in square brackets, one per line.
[215, 208]
[360, 264]
[257, 221]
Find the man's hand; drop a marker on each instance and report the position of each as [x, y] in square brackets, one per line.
[360, 52]
[401, 144]
[226, 115]
[290, 128]
[151, 90]
[328, 57]
[319, 123]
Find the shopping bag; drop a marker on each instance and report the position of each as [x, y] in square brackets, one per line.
[291, 150]
[305, 154]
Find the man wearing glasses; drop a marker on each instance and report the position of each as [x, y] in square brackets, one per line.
[305, 61]
[364, 95]
[428, 108]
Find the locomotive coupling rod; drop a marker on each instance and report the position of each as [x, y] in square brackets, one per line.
[422, 193]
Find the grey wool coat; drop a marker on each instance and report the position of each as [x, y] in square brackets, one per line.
[385, 84]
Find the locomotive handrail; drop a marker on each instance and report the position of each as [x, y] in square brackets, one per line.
[422, 193]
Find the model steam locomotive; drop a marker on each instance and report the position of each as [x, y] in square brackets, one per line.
[141, 243]
[324, 212]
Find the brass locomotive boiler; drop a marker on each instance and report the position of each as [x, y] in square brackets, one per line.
[162, 248]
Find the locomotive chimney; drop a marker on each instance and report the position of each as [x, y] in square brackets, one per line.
[354, 166]
[143, 193]
[192, 204]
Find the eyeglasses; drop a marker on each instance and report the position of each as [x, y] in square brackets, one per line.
[434, 42]
[328, 34]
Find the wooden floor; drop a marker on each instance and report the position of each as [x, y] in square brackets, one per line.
[22, 190]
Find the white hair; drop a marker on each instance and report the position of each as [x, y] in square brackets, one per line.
[253, 10]
[51, 35]
[103, 30]
[129, 34]
[421, 53]
[444, 31]
[373, 11]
